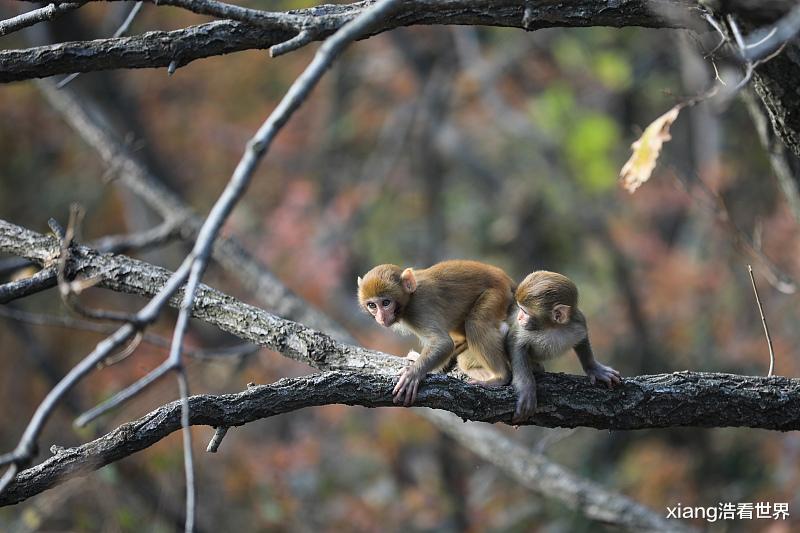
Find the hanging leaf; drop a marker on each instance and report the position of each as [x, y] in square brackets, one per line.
[646, 150]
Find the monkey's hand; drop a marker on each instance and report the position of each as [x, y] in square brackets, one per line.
[526, 404]
[405, 391]
[606, 374]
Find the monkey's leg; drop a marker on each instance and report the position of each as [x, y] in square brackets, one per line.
[486, 339]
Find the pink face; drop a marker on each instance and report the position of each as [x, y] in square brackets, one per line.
[383, 309]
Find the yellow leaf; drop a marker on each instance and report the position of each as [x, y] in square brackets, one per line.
[646, 150]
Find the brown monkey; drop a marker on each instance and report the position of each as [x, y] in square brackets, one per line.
[548, 323]
[456, 308]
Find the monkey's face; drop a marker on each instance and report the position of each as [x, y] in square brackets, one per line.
[528, 318]
[383, 309]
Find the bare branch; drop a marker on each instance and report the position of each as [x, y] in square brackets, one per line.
[40, 319]
[216, 440]
[41, 281]
[123, 28]
[161, 48]
[35, 16]
[27, 447]
[763, 321]
[763, 42]
[709, 400]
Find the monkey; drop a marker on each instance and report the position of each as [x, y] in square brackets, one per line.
[547, 324]
[456, 308]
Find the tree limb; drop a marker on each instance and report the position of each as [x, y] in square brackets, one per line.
[705, 399]
[161, 48]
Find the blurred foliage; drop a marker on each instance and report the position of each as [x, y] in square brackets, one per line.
[519, 168]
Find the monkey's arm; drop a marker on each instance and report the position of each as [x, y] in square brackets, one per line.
[523, 368]
[438, 349]
[596, 371]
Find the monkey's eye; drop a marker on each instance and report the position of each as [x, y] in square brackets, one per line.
[371, 305]
[386, 302]
[524, 312]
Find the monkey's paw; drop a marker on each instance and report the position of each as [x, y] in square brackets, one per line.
[526, 406]
[603, 373]
[405, 391]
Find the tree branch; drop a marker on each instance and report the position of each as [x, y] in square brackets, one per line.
[161, 48]
[683, 398]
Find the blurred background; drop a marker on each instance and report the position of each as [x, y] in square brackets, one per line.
[420, 144]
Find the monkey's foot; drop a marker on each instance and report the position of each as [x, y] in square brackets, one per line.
[526, 406]
[603, 373]
[493, 383]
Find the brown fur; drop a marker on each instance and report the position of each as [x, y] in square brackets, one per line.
[453, 301]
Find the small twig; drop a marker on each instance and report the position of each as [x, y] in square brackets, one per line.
[763, 322]
[69, 290]
[125, 394]
[236, 352]
[765, 41]
[298, 41]
[42, 280]
[718, 27]
[216, 440]
[35, 16]
[188, 455]
[737, 34]
[10, 474]
[120, 31]
[124, 353]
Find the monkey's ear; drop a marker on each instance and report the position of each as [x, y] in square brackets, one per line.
[408, 280]
[360, 281]
[561, 313]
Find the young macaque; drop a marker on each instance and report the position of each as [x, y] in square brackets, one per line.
[547, 324]
[456, 308]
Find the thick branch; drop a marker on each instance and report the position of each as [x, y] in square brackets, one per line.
[683, 398]
[160, 48]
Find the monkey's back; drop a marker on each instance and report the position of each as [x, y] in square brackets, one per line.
[458, 284]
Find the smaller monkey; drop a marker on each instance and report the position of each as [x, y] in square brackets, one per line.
[548, 323]
[456, 308]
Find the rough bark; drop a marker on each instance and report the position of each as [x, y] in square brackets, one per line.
[683, 398]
